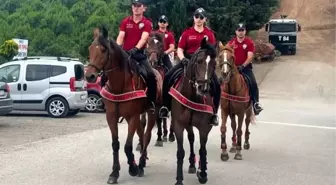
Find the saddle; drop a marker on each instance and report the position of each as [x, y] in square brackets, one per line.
[248, 82]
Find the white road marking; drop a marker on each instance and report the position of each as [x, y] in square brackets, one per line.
[297, 125]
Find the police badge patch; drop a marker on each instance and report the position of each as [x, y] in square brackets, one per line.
[206, 37]
[166, 35]
[141, 25]
[244, 46]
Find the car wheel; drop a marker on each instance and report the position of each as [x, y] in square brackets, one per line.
[73, 112]
[94, 103]
[57, 107]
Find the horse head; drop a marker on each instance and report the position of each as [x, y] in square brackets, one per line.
[155, 48]
[225, 61]
[202, 67]
[104, 56]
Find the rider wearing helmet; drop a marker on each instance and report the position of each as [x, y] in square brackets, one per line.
[244, 49]
[169, 40]
[133, 34]
[189, 42]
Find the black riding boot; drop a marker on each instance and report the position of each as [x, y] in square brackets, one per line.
[216, 93]
[150, 80]
[254, 92]
[167, 83]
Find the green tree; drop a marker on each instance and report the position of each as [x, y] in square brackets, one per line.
[8, 50]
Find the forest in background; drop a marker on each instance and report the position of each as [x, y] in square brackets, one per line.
[64, 27]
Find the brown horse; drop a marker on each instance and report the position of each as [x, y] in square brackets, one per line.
[124, 95]
[235, 101]
[192, 107]
[155, 52]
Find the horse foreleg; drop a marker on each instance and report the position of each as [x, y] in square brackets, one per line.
[171, 132]
[133, 124]
[113, 125]
[178, 129]
[247, 131]
[147, 138]
[201, 173]
[224, 154]
[192, 159]
[234, 137]
[165, 130]
[140, 131]
[238, 155]
[159, 141]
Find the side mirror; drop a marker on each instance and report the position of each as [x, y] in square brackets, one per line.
[266, 27]
[299, 27]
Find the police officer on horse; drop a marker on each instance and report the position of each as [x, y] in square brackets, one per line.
[133, 34]
[244, 49]
[190, 41]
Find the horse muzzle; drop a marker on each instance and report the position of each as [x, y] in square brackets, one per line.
[203, 87]
[91, 77]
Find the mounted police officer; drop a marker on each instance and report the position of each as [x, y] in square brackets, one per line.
[169, 40]
[133, 34]
[244, 49]
[189, 42]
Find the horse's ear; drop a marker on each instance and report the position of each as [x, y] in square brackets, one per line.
[218, 46]
[204, 42]
[104, 31]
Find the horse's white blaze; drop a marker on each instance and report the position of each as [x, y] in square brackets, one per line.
[225, 66]
[156, 41]
[207, 64]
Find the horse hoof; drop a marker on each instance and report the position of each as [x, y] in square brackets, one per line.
[141, 173]
[164, 139]
[225, 156]
[171, 138]
[202, 180]
[238, 157]
[233, 149]
[138, 148]
[246, 146]
[192, 170]
[159, 143]
[133, 170]
[178, 183]
[112, 180]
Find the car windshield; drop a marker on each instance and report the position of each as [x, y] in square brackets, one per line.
[283, 27]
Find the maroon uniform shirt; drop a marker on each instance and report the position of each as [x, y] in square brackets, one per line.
[169, 39]
[190, 39]
[133, 31]
[241, 49]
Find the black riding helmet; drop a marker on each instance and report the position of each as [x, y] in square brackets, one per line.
[200, 12]
[163, 18]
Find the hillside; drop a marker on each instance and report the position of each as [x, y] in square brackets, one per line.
[317, 18]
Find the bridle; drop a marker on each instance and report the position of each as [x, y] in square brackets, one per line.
[193, 65]
[103, 70]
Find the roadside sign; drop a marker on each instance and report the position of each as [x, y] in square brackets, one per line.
[23, 48]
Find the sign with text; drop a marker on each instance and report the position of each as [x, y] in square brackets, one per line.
[23, 48]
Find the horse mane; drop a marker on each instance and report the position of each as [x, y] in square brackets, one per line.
[159, 36]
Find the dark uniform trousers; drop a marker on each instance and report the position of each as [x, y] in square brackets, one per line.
[254, 90]
[168, 83]
[149, 76]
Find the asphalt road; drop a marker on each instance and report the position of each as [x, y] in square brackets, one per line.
[286, 148]
[293, 143]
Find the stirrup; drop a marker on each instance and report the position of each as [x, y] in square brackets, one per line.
[163, 114]
[152, 107]
[257, 104]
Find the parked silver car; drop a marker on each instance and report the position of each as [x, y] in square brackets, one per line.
[54, 84]
[6, 102]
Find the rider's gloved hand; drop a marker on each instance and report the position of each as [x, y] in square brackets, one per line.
[185, 61]
[240, 68]
[133, 51]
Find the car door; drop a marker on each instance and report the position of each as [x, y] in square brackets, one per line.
[35, 86]
[12, 75]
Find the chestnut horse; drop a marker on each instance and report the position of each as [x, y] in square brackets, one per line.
[235, 101]
[124, 96]
[192, 107]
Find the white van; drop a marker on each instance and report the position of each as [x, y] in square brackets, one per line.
[54, 84]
